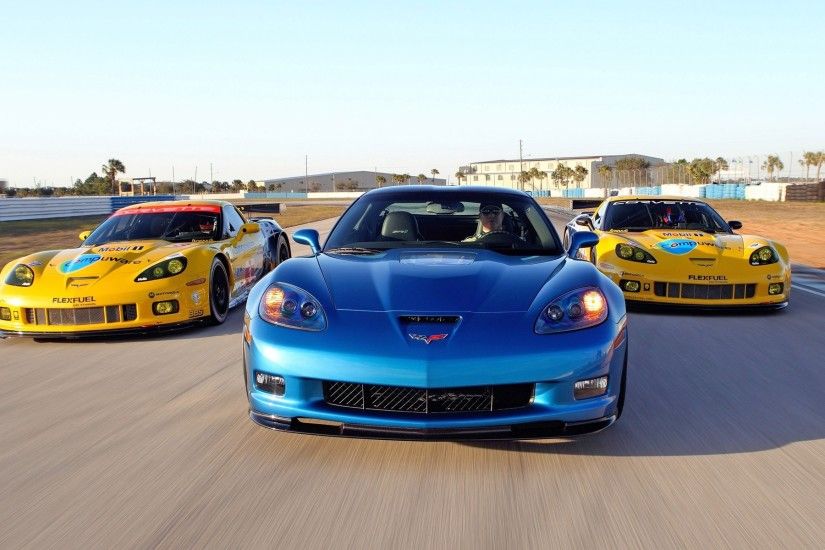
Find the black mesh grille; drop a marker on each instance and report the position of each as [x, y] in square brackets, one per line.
[426, 401]
[129, 312]
[78, 316]
[704, 292]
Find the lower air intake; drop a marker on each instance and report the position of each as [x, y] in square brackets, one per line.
[428, 401]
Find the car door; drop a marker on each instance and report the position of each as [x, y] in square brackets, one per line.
[244, 249]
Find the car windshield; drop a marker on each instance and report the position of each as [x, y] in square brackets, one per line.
[507, 223]
[652, 214]
[174, 224]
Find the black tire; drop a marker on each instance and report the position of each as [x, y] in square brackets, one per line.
[622, 388]
[218, 293]
[283, 250]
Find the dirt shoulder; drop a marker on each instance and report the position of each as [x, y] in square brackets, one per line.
[27, 236]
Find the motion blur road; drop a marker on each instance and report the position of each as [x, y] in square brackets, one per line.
[145, 442]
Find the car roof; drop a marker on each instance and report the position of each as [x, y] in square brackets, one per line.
[435, 190]
[155, 204]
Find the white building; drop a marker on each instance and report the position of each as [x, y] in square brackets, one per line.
[505, 173]
[360, 180]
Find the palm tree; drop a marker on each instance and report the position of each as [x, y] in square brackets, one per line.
[820, 160]
[773, 163]
[380, 180]
[397, 179]
[809, 158]
[605, 173]
[579, 174]
[421, 178]
[406, 178]
[460, 176]
[434, 172]
[523, 178]
[721, 164]
[111, 169]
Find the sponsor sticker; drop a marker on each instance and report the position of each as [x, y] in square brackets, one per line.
[707, 278]
[74, 300]
[82, 261]
[677, 246]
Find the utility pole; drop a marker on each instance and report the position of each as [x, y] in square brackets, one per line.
[520, 167]
[306, 174]
[211, 179]
[195, 182]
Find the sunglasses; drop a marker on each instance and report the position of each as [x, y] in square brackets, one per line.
[490, 211]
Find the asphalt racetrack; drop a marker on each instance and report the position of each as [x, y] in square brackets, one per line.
[145, 442]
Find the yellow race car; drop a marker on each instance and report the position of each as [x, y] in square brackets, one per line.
[679, 250]
[151, 265]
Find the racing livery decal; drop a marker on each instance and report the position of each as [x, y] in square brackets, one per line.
[677, 246]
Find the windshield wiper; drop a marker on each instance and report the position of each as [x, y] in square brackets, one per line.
[354, 250]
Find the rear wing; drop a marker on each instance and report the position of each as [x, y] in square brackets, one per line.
[585, 204]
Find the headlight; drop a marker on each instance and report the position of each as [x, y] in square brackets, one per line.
[289, 306]
[166, 268]
[582, 308]
[764, 256]
[20, 275]
[634, 254]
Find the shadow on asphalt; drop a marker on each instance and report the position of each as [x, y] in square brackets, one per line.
[708, 383]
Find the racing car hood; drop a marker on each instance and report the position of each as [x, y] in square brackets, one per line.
[94, 263]
[436, 281]
[690, 243]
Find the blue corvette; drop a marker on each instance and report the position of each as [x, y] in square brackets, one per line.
[437, 313]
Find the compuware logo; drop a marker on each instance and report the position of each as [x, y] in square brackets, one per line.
[677, 246]
[84, 260]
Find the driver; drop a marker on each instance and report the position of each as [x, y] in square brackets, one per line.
[490, 219]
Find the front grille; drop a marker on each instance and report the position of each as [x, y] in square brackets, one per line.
[428, 401]
[705, 292]
[53, 316]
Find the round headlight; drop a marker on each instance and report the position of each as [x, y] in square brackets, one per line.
[308, 310]
[575, 310]
[555, 313]
[625, 251]
[157, 272]
[765, 254]
[289, 307]
[175, 267]
[24, 274]
[639, 256]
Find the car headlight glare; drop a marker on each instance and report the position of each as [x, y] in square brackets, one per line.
[582, 308]
[166, 268]
[634, 254]
[288, 306]
[20, 275]
[764, 256]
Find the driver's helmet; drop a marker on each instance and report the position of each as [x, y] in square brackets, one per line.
[206, 224]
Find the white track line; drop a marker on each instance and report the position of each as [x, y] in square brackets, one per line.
[806, 289]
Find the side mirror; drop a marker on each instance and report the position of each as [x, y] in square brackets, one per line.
[583, 219]
[581, 239]
[735, 224]
[85, 235]
[250, 228]
[308, 237]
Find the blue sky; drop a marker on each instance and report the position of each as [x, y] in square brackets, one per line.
[252, 87]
